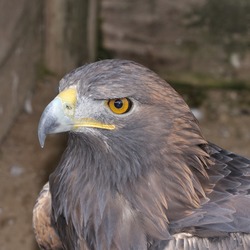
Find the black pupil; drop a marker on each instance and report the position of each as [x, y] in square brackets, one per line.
[118, 103]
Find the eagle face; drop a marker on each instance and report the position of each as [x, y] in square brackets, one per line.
[113, 99]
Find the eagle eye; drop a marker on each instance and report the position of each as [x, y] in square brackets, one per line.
[119, 105]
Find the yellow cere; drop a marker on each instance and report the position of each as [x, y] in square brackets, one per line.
[68, 96]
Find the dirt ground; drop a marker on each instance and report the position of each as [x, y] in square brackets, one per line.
[25, 167]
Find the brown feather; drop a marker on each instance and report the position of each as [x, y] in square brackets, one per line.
[45, 234]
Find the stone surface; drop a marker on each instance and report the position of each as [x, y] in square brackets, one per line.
[195, 37]
[20, 53]
[65, 34]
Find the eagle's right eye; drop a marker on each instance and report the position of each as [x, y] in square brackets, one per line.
[119, 105]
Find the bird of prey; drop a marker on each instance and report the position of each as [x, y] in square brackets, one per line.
[137, 173]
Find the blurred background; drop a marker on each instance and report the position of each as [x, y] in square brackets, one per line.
[201, 47]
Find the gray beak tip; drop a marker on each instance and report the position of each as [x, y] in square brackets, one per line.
[41, 137]
[41, 144]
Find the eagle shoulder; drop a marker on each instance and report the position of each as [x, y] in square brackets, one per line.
[45, 234]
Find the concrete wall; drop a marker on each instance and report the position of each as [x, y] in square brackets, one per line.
[20, 52]
[65, 34]
[194, 38]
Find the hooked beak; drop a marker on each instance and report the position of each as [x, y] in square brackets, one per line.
[59, 116]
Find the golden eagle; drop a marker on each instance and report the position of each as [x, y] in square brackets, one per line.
[137, 173]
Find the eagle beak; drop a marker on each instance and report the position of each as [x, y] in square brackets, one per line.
[58, 116]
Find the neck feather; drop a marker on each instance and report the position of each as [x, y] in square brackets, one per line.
[114, 199]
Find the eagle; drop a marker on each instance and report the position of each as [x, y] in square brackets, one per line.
[136, 172]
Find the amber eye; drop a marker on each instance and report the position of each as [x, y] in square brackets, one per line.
[120, 105]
